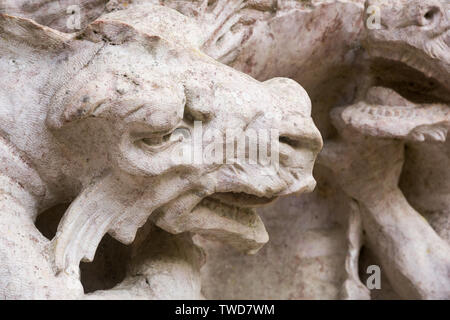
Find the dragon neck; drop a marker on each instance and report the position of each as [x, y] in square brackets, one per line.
[18, 179]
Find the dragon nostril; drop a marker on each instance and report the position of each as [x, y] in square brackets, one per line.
[431, 14]
[308, 141]
[289, 141]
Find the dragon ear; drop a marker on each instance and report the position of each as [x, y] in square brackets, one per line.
[16, 30]
[150, 22]
[157, 28]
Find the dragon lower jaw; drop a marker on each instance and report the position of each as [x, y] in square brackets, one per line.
[386, 114]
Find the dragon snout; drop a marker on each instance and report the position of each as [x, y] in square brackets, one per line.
[296, 128]
[393, 15]
[299, 139]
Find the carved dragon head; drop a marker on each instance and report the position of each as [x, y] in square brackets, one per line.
[121, 101]
[410, 64]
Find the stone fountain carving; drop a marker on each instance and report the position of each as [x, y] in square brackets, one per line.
[100, 135]
[412, 45]
[92, 117]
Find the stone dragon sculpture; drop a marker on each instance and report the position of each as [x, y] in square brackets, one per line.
[94, 118]
[391, 154]
[406, 104]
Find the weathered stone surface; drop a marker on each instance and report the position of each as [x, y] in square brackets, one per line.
[376, 72]
[101, 123]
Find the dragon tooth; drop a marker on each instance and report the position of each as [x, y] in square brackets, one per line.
[418, 136]
[371, 111]
[410, 113]
[441, 136]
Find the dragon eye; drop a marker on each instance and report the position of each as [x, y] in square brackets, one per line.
[178, 135]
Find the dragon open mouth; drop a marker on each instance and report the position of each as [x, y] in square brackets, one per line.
[408, 99]
[409, 95]
[242, 199]
[244, 216]
[414, 84]
[239, 207]
[231, 218]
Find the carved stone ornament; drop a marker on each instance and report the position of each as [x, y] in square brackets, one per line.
[149, 148]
